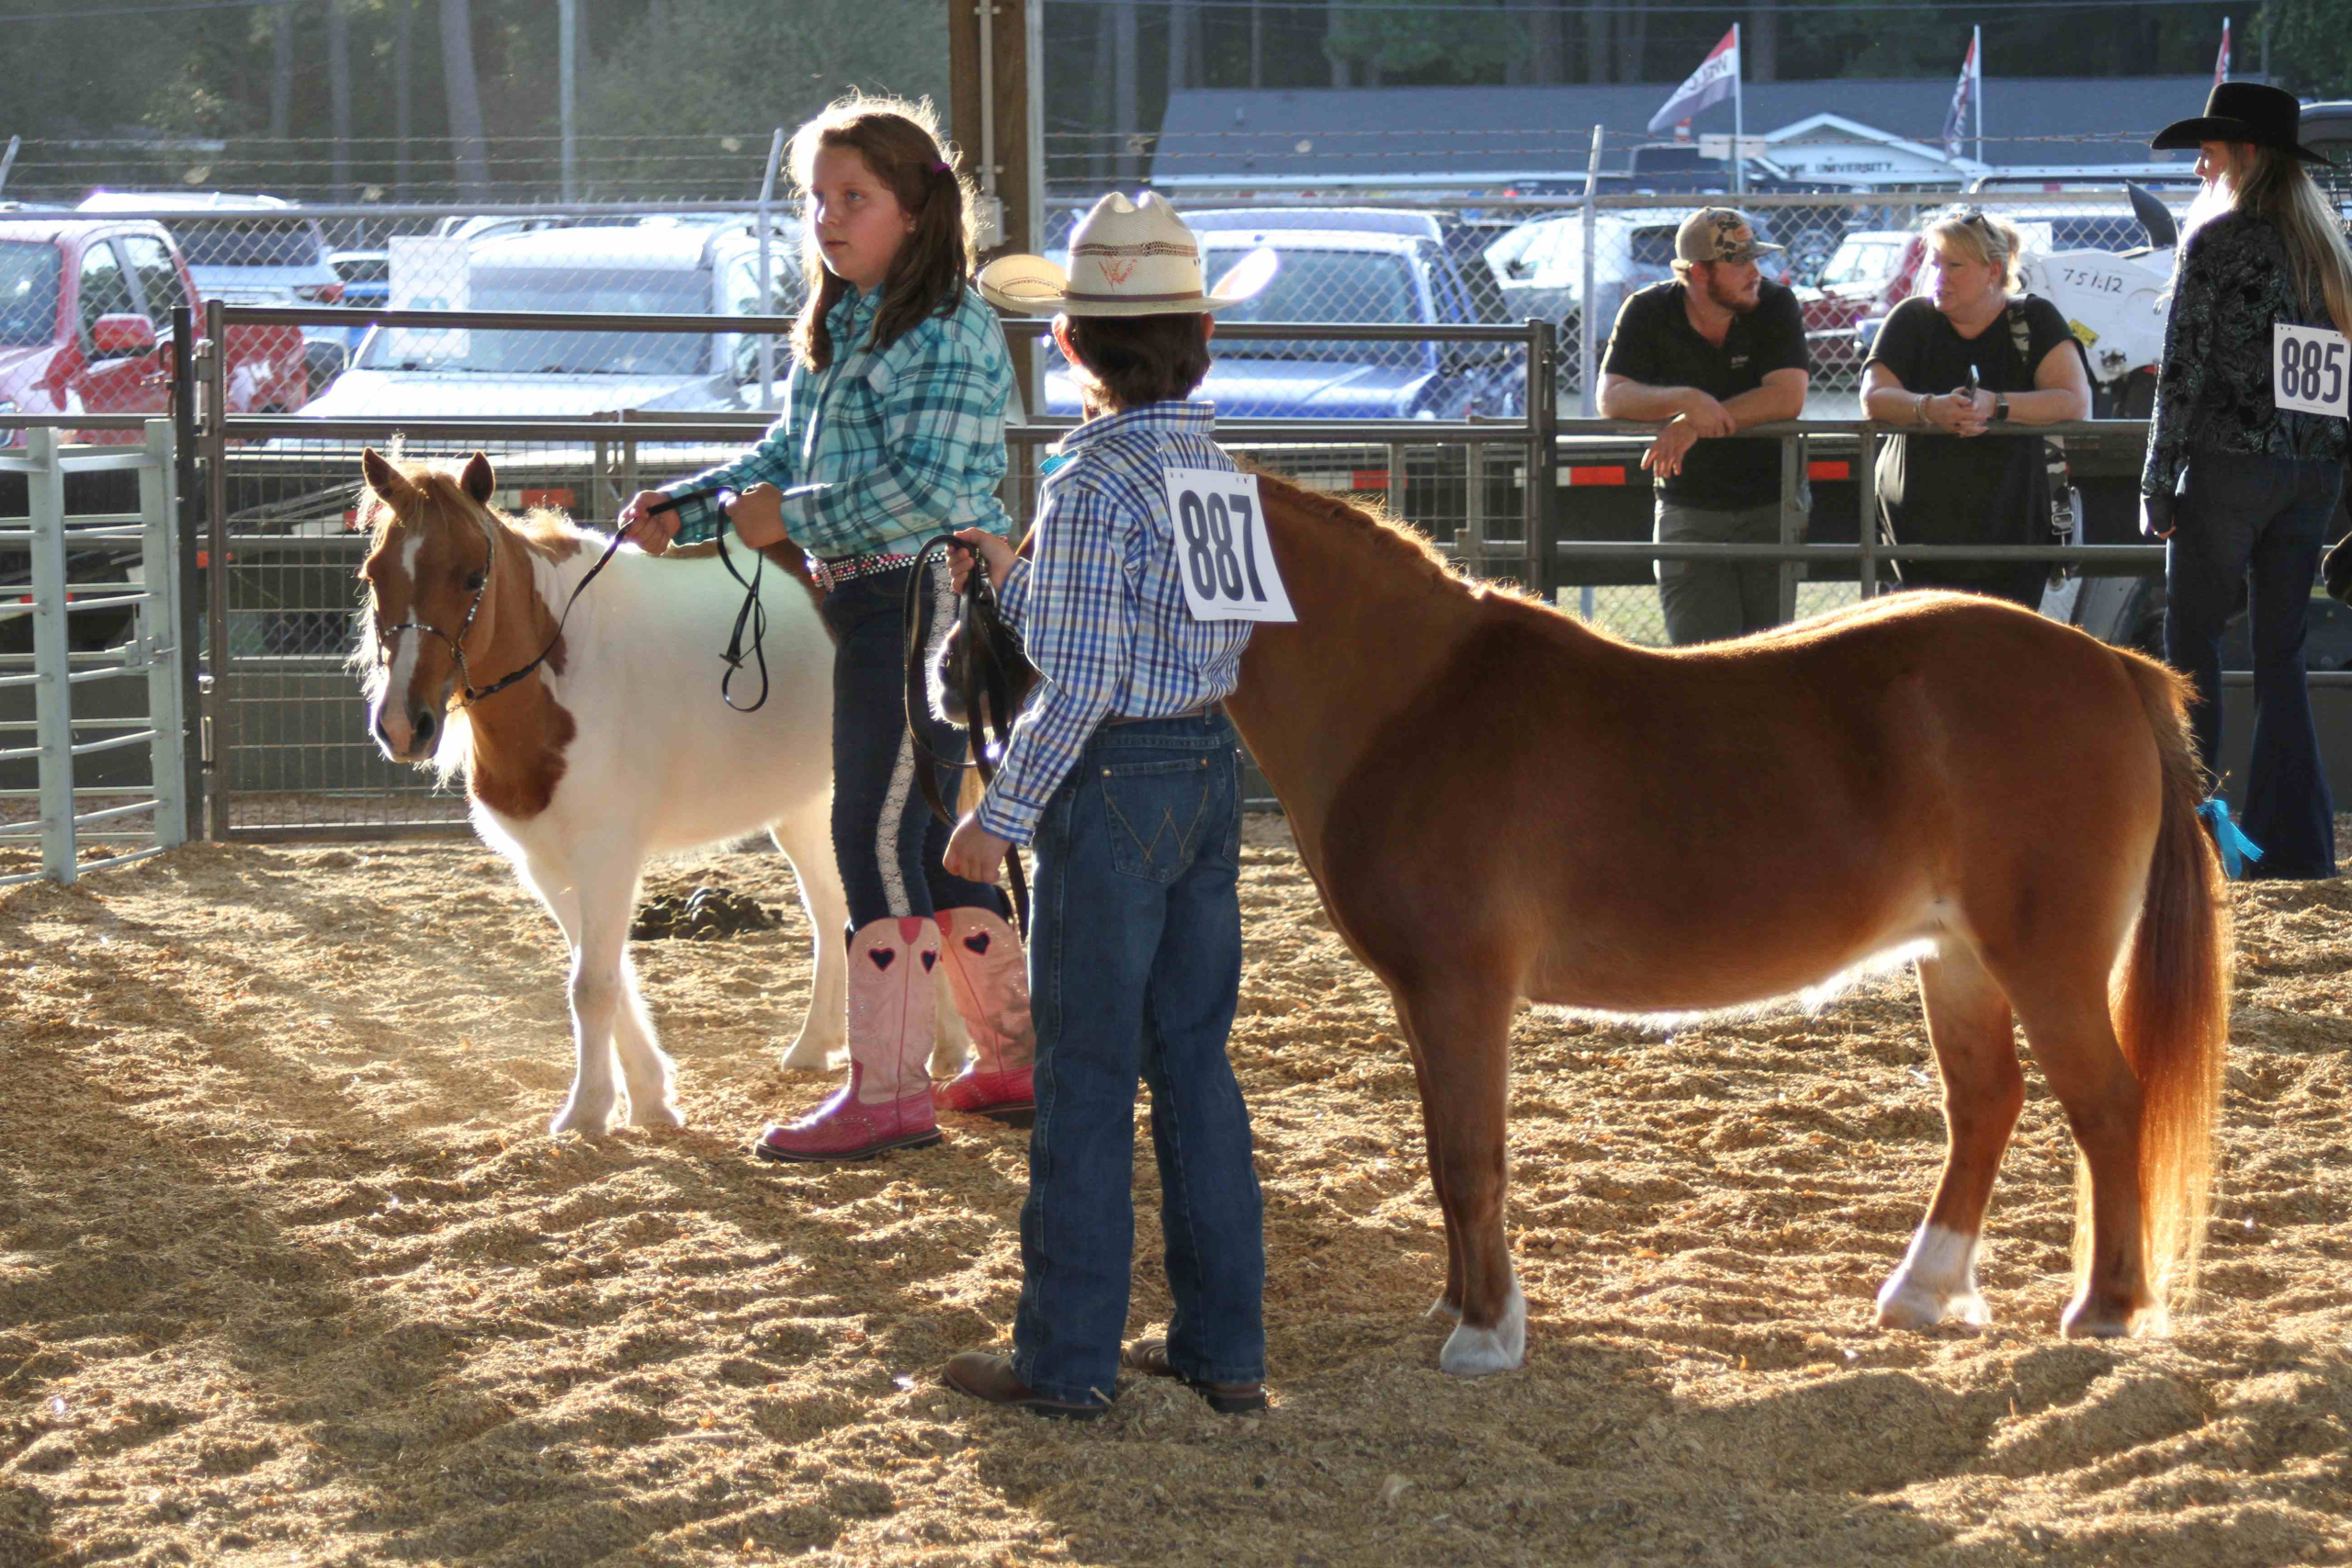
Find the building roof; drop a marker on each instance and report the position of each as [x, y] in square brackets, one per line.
[1421, 135]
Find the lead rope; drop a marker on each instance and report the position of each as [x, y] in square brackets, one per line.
[986, 690]
[753, 615]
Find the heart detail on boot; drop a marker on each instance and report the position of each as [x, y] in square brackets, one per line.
[929, 959]
[882, 957]
[977, 941]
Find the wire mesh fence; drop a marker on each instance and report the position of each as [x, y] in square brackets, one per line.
[1850, 258]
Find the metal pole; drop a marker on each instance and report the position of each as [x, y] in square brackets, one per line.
[1739, 114]
[1866, 486]
[767, 269]
[1976, 64]
[567, 57]
[219, 713]
[185, 578]
[8, 159]
[1793, 519]
[52, 694]
[1543, 458]
[163, 634]
[1589, 402]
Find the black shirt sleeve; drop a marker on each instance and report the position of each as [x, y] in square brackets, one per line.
[1632, 343]
[1779, 344]
[2046, 328]
[1902, 343]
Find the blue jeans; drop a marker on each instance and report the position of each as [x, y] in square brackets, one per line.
[887, 841]
[1134, 967]
[2263, 518]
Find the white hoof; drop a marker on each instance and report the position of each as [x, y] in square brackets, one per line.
[1474, 1352]
[652, 1112]
[582, 1117]
[812, 1053]
[1935, 1284]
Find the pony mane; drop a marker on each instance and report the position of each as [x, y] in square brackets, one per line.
[1408, 546]
[542, 529]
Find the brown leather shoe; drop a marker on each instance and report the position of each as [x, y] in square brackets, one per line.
[990, 1377]
[1149, 1357]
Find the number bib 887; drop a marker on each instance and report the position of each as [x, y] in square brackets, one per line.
[1221, 552]
[2308, 370]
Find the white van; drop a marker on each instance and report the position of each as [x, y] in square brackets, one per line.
[645, 270]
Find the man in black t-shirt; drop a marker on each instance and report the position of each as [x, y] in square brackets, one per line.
[1712, 352]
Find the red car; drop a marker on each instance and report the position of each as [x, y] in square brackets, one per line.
[86, 316]
[1869, 275]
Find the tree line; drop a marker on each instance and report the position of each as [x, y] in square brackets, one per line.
[459, 97]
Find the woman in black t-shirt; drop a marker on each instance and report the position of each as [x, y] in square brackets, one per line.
[1950, 487]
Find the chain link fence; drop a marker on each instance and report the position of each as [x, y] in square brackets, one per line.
[1408, 263]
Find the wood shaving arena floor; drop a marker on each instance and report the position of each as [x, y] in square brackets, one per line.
[291, 1274]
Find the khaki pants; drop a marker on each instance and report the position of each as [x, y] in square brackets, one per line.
[1713, 600]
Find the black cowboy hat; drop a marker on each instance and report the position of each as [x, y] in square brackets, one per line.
[2243, 112]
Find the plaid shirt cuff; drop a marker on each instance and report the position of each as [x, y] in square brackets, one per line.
[1014, 821]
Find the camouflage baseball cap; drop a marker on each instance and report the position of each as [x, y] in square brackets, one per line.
[1717, 234]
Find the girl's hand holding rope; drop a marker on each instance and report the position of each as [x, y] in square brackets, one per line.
[649, 530]
[758, 517]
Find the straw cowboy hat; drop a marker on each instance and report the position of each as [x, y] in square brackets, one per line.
[2245, 111]
[1127, 258]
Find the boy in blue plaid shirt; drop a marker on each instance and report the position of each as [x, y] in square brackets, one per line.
[1123, 777]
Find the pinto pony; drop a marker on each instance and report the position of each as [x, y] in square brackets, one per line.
[617, 747]
[1497, 801]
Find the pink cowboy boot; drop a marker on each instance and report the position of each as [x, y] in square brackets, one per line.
[886, 1102]
[985, 970]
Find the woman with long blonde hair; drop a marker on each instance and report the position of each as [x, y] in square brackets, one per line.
[2241, 490]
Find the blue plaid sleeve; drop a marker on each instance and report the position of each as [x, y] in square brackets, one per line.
[1081, 633]
[942, 438]
[774, 459]
[1013, 599]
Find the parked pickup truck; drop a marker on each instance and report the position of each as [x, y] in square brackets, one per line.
[85, 315]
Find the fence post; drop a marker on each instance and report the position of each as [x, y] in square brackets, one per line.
[163, 633]
[1866, 487]
[218, 713]
[1543, 496]
[1793, 519]
[53, 693]
[1588, 395]
[187, 611]
[768, 273]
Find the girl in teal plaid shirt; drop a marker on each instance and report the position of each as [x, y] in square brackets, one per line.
[893, 430]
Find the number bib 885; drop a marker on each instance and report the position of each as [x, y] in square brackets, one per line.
[1221, 552]
[2308, 370]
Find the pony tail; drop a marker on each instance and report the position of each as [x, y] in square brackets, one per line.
[2171, 1001]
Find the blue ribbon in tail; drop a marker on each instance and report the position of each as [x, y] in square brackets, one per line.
[2236, 848]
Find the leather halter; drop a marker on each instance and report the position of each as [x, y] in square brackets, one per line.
[472, 693]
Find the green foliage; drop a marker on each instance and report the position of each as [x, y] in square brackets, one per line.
[2311, 43]
[1437, 42]
[673, 85]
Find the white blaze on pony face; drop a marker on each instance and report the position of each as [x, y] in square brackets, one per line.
[1936, 1280]
[389, 716]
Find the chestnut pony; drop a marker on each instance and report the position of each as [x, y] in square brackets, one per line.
[616, 748]
[1497, 802]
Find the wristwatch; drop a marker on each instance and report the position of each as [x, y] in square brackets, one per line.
[2000, 408]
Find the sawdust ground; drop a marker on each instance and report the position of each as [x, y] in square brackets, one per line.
[289, 1273]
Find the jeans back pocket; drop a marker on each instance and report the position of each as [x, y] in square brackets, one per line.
[1158, 811]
